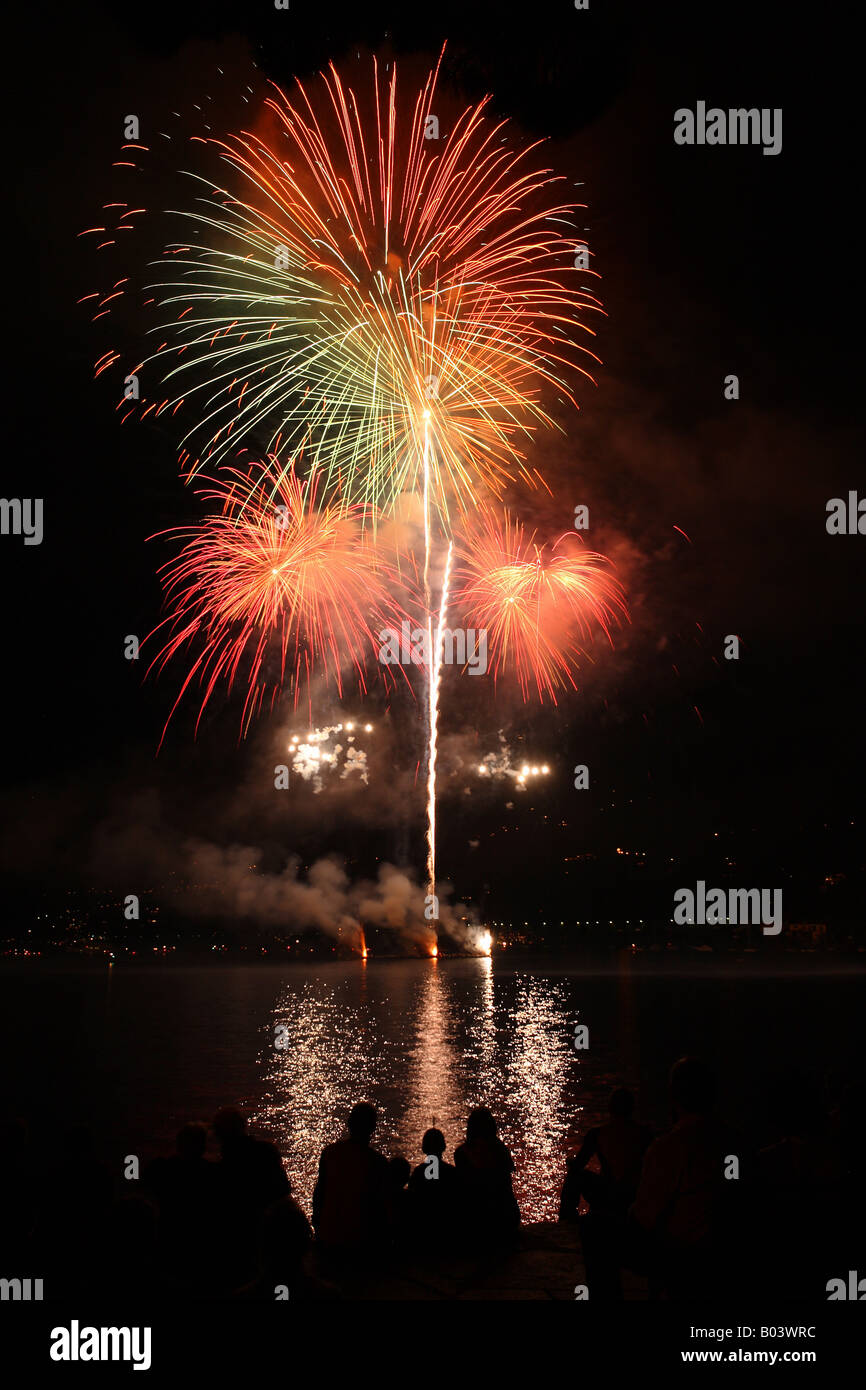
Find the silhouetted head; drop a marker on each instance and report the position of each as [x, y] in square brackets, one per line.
[362, 1121]
[480, 1125]
[693, 1086]
[621, 1104]
[228, 1124]
[191, 1141]
[399, 1171]
[433, 1143]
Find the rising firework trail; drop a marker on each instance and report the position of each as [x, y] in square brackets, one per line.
[433, 684]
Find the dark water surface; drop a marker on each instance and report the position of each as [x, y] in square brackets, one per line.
[137, 1051]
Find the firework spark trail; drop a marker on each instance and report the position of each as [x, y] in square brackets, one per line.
[425, 463]
[535, 603]
[275, 583]
[352, 278]
[432, 683]
[433, 725]
[428, 603]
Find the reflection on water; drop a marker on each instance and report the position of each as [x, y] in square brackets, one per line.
[426, 1041]
[542, 1060]
[140, 1053]
[433, 1094]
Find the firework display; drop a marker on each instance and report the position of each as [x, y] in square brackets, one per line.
[369, 310]
[358, 282]
[502, 766]
[433, 858]
[536, 603]
[269, 586]
[333, 750]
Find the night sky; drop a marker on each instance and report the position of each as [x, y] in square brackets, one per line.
[713, 261]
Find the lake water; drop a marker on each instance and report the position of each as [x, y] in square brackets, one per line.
[136, 1052]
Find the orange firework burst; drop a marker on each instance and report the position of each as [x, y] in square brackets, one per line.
[365, 283]
[270, 585]
[537, 604]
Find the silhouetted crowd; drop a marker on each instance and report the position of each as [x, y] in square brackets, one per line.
[698, 1212]
[691, 1213]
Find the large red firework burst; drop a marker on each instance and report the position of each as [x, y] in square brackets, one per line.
[538, 604]
[269, 585]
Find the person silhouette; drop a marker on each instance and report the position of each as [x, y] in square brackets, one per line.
[253, 1168]
[618, 1146]
[484, 1167]
[678, 1217]
[251, 1177]
[800, 1196]
[351, 1192]
[433, 1196]
[285, 1236]
[186, 1190]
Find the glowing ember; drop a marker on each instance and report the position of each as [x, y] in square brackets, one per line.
[498, 766]
[329, 750]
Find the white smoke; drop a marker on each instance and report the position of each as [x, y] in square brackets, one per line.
[232, 884]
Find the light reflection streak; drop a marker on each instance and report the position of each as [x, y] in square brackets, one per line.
[434, 1096]
[331, 1061]
[540, 1061]
[424, 1040]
